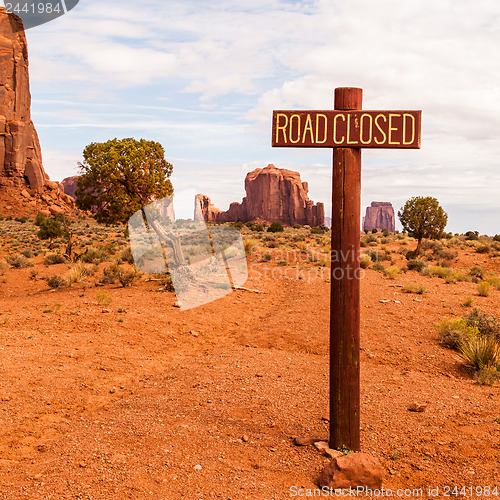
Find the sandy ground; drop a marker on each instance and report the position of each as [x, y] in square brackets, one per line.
[138, 399]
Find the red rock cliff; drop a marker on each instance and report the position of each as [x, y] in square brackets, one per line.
[273, 195]
[20, 155]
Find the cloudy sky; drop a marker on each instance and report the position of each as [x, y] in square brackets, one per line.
[203, 78]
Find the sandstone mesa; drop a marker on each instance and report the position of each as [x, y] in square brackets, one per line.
[272, 195]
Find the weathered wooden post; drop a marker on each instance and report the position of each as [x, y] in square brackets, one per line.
[345, 285]
[346, 129]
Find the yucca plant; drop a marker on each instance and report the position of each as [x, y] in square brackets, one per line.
[480, 352]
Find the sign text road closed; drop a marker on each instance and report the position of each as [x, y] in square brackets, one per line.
[347, 129]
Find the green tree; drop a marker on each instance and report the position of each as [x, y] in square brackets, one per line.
[55, 227]
[49, 229]
[423, 217]
[275, 227]
[121, 176]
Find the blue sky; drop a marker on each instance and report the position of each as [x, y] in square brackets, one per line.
[203, 78]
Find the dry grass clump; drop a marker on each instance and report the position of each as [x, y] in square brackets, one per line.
[79, 272]
[51, 259]
[417, 265]
[250, 245]
[94, 255]
[454, 331]
[494, 282]
[392, 272]
[413, 288]
[468, 301]
[19, 261]
[56, 281]
[365, 261]
[483, 289]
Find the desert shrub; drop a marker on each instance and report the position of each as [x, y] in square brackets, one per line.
[22, 220]
[27, 252]
[483, 289]
[472, 235]
[439, 271]
[483, 249]
[94, 255]
[365, 261]
[324, 261]
[480, 352]
[19, 261]
[127, 256]
[104, 298]
[275, 227]
[257, 227]
[435, 246]
[3, 267]
[79, 272]
[487, 376]
[385, 232]
[56, 281]
[413, 288]
[493, 281]
[416, 265]
[298, 226]
[54, 258]
[496, 237]
[127, 275]
[446, 254]
[487, 325]
[468, 301]
[109, 274]
[378, 266]
[392, 272]
[267, 257]
[454, 331]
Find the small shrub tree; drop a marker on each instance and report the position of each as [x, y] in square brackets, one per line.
[275, 227]
[423, 217]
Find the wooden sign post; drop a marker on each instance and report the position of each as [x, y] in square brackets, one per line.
[346, 129]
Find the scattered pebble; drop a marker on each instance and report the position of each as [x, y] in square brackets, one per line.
[244, 438]
[197, 467]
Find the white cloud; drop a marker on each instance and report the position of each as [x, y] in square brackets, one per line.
[246, 60]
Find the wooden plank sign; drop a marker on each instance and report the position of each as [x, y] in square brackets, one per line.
[341, 129]
[346, 130]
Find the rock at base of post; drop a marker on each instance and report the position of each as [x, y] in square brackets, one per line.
[354, 469]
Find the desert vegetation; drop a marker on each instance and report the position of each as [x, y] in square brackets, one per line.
[429, 333]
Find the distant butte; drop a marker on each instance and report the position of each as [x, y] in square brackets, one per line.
[272, 195]
[380, 215]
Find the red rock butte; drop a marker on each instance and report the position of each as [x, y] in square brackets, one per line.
[380, 215]
[24, 185]
[272, 195]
